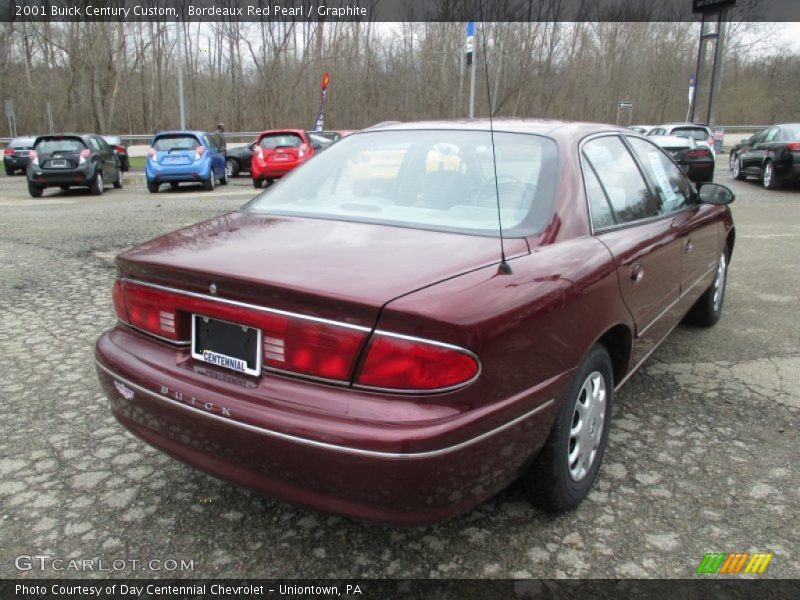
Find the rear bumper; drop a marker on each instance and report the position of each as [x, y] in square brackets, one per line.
[698, 171]
[272, 171]
[15, 162]
[191, 172]
[82, 175]
[263, 435]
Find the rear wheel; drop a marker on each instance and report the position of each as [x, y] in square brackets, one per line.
[9, 170]
[34, 190]
[224, 179]
[209, 183]
[152, 187]
[96, 188]
[708, 308]
[118, 182]
[567, 466]
[257, 183]
[232, 167]
[771, 181]
[737, 169]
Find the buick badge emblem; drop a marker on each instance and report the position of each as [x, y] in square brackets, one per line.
[213, 288]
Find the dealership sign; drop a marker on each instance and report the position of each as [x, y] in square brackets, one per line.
[701, 6]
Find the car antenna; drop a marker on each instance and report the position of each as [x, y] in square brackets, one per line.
[505, 268]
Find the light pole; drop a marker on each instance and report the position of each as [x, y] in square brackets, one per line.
[179, 42]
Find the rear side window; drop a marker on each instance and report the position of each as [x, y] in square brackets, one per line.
[791, 133]
[600, 209]
[620, 179]
[291, 140]
[50, 145]
[672, 187]
[175, 142]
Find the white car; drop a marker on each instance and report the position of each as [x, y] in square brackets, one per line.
[699, 133]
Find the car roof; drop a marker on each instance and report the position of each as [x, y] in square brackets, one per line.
[285, 130]
[544, 127]
[698, 125]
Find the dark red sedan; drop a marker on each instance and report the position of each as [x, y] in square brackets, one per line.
[354, 341]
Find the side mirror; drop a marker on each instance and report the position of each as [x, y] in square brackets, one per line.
[715, 193]
[251, 146]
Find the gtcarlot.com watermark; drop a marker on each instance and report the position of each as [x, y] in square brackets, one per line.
[43, 562]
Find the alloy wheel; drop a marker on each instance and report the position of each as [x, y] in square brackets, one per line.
[719, 282]
[768, 175]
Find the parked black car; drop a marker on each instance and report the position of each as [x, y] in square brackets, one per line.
[15, 155]
[68, 160]
[695, 158]
[120, 149]
[772, 155]
[238, 159]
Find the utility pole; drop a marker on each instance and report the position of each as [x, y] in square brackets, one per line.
[706, 8]
[179, 43]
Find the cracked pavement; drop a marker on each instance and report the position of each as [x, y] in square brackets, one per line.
[701, 455]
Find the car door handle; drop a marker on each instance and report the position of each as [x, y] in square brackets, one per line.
[688, 245]
[637, 273]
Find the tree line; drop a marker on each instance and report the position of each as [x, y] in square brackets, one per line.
[121, 77]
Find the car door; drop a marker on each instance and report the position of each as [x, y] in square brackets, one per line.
[108, 158]
[753, 159]
[697, 224]
[626, 218]
[217, 158]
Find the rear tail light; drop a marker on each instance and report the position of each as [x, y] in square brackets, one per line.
[701, 153]
[304, 345]
[151, 153]
[198, 152]
[302, 152]
[85, 153]
[407, 364]
[259, 152]
[120, 149]
[8, 152]
[793, 146]
[34, 157]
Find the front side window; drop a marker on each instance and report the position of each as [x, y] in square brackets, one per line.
[431, 179]
[621, 179]
[772, 133]
[671, 185]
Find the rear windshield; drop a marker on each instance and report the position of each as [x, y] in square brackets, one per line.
[276, 140]
[50, 145]
[440, 179]
[701, 135]
[179, 141]
[22, 142]
[791, 133]
[114, 140]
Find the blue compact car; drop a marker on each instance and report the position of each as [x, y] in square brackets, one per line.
[184, 156]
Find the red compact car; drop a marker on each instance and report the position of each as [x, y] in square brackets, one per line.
[362, 340]
[278, 151]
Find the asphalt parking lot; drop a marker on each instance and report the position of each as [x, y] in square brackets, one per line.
[702, 455]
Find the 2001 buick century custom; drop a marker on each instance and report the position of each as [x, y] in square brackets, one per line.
[353, 340]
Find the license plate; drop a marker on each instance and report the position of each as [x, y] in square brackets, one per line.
[228, 345]
[58, 164]
[281, 157]
[176, 160]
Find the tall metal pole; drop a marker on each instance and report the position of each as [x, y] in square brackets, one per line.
[701, 58]
[179, 42]
[717, 71]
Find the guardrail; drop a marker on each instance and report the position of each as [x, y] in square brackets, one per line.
[250, 135]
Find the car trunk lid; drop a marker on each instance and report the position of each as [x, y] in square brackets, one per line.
[337, 270]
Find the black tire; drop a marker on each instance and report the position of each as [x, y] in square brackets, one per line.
[97, 187]
[737, 170]
[173, 185]
[209, 183]
[9, 170]
[224, 179]
[118, 182]
[232, 167]
[769, 177]
[257, 183]
[152, 187]
[34, 190]
[270, 182]
[125, 164]
[708, 308]
[554, 482]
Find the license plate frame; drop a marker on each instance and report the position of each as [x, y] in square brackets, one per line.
[280, 157]
[58, 163]
[215, 341]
